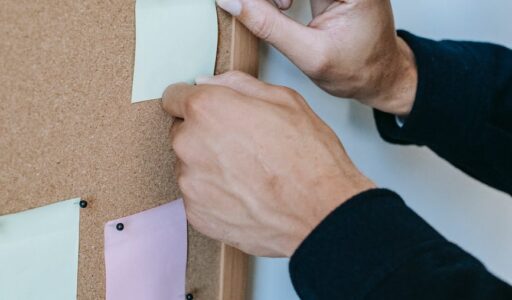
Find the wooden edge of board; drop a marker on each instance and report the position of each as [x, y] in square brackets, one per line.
[234, 271]
[244, 49]
[234, 264]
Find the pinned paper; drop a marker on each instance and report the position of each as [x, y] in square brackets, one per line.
[176, 41]
[146, 254]
[39, 253]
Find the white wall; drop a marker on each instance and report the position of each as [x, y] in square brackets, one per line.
[474, 216]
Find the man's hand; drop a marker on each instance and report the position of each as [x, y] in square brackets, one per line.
[258, 169]
[350, 48]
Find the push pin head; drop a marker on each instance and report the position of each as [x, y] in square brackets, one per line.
[83, 203]
[189, 296]
[120, 226]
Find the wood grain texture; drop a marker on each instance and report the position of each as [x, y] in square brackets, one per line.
[68, 128]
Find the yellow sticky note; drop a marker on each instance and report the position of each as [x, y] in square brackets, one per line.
[176, 41]
[39, 253]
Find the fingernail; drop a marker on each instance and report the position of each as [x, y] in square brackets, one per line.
[234, 7]
[203, 79]
[278, 3]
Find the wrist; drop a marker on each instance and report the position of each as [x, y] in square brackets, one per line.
[329, 195]
[406, 84]
[396, 87]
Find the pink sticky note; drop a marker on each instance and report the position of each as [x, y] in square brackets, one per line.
[146, 256]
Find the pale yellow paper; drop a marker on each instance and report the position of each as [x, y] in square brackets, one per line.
[176, 41]
[39, 253]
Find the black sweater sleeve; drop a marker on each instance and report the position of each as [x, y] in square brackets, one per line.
[375, 247]
[463, 107]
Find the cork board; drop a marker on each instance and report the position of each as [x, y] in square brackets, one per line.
[68, 128]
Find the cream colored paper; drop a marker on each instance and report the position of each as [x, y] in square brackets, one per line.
[39, 253]
[176, 41]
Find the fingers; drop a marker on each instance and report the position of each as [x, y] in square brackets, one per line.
[240, 82]
[181, 99]
[175, 97]
[270, 24]
[248, 85]
[283, 4]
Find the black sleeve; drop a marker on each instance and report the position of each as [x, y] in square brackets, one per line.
[375, 247]
[463, 107]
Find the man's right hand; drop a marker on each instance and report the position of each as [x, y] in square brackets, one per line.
[349, 49]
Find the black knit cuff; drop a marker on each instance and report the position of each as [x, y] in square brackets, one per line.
[358, 245]
[447, 97]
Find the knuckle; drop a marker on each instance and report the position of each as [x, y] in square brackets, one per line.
[179, 144]
[195, 105]
[235, 74]
[294, 98]
[319, 67]
[197, 102]
[264, 27]
[289, 92]
[205, 102]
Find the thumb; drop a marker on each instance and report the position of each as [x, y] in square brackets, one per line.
[270, 24]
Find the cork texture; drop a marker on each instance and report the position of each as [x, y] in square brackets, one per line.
[68, 128]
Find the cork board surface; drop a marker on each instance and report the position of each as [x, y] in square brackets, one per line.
[68, 128]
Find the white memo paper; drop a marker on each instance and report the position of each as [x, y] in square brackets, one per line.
[176, 41]
[39, 253]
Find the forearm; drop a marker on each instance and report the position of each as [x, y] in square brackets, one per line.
[373, 246]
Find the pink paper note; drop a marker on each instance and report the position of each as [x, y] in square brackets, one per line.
[146, 260]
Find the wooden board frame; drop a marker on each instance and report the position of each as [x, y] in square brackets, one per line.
[68, 129]
[243, 56]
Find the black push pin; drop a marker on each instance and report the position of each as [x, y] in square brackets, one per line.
[120, 226]
[189, 296]
[83, 204]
